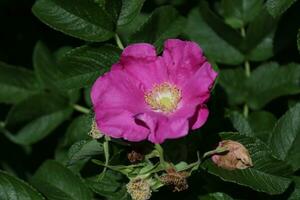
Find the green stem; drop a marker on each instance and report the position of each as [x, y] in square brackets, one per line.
[119, 42]
[160, 151]
[106, 155]
[247, 73]
[81, 109]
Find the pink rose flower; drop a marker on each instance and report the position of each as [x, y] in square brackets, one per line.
[146, 96]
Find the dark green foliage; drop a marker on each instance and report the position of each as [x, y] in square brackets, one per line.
[46, 109]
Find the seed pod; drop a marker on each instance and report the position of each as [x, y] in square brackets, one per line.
[139, 189]
[236, 157]
[175, 179]
[135, 157]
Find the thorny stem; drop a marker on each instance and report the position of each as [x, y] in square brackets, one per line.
[119, 42]
[247, 73]
[81, 109]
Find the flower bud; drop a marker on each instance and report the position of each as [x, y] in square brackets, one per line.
[236, 157]
[95, 132]
[139, 189]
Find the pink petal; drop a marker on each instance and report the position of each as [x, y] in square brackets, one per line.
[199, 118]
[162, 128]
[117, 99]
[183, 59]
[139, 51]
[119, 123]
[197, 88]
[116, 89]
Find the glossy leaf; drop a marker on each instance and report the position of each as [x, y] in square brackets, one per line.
[78, 130]
[277, 7]
[46, 70]
[82, 19]
[285, 138]
[83, 65]
[16, 83]
[165, 22]
[267, 82]
[57, 182]
[215, 47]
[238, 13]
[234, 83]
[130, 9]
[12, 188]
[37, 117]
[270, 81]
[295, 195]
[258, 124]
[83, 150]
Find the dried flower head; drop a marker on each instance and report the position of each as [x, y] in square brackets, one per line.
[175, 179]
[95, 132]
[135, 157]
[237, 156]
[139, 189]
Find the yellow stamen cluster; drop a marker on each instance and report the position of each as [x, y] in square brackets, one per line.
[163, 97]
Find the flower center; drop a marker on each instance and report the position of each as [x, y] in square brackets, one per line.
[163, 97]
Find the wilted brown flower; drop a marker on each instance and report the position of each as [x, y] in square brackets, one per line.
[175, 179]
[236, 157]
[139, 189]
[95, 132]
[135, 157]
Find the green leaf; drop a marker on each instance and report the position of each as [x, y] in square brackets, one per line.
[46, 70]
[130, 9]
[267, 173]
[241, 124]
[57, 182]
[238, 13]
[270, 81]
[285, 138]
[84, 150]
[264, 49]
[267, 82]
[107, 186]
[16, 83]
[262, 121]
[82, 19]
[295, 195]
[81, 66]
[78, 130]
[215, 196]
[259, 124]
[233, 81]
[165, 22]
[277, 7]
[37, 116]
[12, 188]
[262, 26]
[215, 47]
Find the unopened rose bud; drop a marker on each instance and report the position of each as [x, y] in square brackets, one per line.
[139, 189]
[95, 132]
[236, 156]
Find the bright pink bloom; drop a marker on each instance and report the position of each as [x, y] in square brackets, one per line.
[146, 96]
